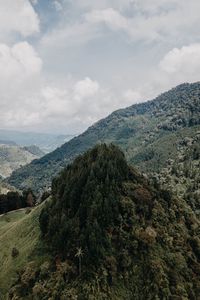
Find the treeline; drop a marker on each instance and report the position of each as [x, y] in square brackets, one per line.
[14, 200]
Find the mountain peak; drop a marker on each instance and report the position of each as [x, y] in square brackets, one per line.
[112, 235]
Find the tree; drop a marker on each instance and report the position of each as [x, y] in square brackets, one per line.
[79, 254]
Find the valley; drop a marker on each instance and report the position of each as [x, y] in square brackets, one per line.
[109, 216]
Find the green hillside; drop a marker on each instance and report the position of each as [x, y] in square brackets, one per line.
[112, 235]
[149, 134]
[20, 230]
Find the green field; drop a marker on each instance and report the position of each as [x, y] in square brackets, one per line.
[20, 230]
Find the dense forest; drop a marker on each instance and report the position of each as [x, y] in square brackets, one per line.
[15, 200]
[111, 234]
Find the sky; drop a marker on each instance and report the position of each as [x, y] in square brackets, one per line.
[65, 64]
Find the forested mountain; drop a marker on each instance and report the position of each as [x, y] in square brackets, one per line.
[150, 134]
[107, 233]
[13, 157]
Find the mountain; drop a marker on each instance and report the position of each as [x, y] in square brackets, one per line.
[7, 142]
[13, 157]
[150, 134]
[34, 150]
[5, 188]
[107, 233]
[46, 142]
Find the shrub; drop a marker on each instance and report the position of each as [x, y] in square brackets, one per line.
[15, 252]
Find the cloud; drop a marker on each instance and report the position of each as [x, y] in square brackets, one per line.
[58, 5]
[185, 59]
[17, 17]
[18, 62]
[20, 71]
[68, 106]
[86, 88]
[110, 17]
[150, 20]
[92, 58]
[103, 4]
[133, 96]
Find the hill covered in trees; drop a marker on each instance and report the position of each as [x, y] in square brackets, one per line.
[110, 234]
[149, 133]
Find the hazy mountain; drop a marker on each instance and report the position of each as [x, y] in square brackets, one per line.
[13, 157]
[7, 142]
[46, 142]
[107, 233]
[149, 133]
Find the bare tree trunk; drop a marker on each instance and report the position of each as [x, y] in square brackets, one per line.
[79, 266]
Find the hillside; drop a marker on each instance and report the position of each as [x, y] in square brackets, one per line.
[21, 231]
[5, 188]
[149, 134]
[110, 234]
[13, 157]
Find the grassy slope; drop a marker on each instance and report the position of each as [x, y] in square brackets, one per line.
[20, 230]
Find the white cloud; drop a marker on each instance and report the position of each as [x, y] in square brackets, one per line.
[34, 2]
[58, 6]
[182, 60]
[70, 106]
[20, 71]
[103, 4]
[17, 16]
[18, 62]
[110, 17]
[37, 92]
[86, 88]
[151, 20]
[133, 96]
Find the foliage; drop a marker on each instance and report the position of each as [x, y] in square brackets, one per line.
[15, 252]
[21, 231]
[112, 235]
[15, 200]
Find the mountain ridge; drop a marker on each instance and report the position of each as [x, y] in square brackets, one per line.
[133, 129]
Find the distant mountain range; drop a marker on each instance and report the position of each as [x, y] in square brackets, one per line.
[151, 134]
[46, 142]
[13, 157]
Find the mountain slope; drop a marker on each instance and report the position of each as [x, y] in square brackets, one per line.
[148, 133]
[18, 230]
[112, 235]
[13, 157]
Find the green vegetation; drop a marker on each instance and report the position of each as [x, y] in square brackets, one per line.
[21, 231]
[148, 133]
[112, 235]
[14, 200]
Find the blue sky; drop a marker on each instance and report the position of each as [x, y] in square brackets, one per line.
[65, 64]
